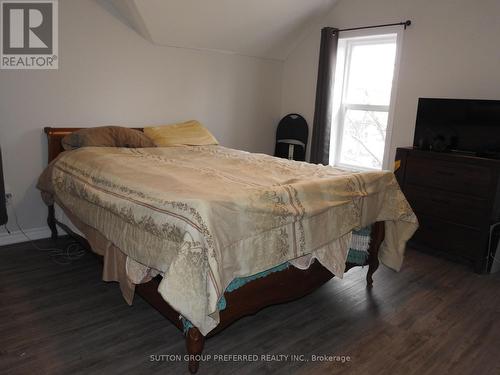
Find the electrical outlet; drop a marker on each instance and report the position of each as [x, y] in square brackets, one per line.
[8, 198]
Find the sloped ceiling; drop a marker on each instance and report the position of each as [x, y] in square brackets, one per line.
[260, 28]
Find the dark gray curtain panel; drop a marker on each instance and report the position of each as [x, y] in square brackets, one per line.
[320, 142]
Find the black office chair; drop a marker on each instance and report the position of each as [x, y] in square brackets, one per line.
[291, 137]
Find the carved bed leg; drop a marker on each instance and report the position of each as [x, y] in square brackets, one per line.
[51, 221]
[372, 267]
[377, 237]
[194, 344]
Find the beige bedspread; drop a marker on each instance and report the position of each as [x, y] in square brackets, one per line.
[205, 215]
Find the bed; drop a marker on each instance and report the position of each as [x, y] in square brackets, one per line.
[303, 258]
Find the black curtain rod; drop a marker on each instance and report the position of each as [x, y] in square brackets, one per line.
[405, 24]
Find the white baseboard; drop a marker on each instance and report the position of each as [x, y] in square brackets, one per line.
[17, 236]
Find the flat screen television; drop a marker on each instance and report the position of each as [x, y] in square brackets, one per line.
[468, 126]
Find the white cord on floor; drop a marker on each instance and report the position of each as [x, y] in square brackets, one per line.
[73, 251]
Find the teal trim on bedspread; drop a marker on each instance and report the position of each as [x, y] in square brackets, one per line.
[358, 256]
[240, 281]
[366, 231]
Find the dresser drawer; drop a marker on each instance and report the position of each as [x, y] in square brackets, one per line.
[448, 206]
[449, 238]
[445, 175]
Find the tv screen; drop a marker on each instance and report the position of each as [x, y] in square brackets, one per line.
[458, 125]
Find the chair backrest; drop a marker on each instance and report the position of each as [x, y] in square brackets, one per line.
[292, 131]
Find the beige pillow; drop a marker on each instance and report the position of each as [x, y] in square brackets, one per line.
[190, 133]
[106, 136]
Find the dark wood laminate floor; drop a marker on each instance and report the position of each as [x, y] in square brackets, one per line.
[434, 317]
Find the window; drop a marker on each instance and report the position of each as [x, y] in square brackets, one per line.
[362, 101]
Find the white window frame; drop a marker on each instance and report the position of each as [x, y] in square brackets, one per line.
[346, 41]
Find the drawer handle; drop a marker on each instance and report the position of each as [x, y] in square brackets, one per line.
[446, 173]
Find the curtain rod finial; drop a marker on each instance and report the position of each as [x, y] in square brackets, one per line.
[407, 23]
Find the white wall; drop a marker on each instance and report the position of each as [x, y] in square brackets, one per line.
[451, 50]
[108, 74]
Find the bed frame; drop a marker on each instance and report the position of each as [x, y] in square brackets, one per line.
[246, 300]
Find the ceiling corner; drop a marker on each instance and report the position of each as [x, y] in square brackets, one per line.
[127, 11]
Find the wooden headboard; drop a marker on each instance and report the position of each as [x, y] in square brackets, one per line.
[55, 136]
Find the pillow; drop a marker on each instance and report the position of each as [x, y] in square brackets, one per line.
[106, 136]
[190, 133]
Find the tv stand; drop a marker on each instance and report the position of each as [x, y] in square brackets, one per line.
[456, 198]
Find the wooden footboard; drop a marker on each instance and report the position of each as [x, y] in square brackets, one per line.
[278, 287]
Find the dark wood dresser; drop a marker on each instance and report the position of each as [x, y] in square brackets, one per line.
[456, 199]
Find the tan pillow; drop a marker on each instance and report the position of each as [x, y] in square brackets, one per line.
[106, 136]
[190, 133]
